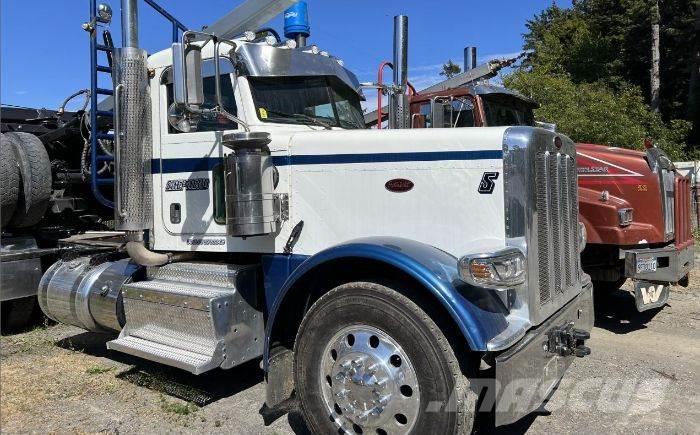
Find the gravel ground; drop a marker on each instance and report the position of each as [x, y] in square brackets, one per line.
[643, 376]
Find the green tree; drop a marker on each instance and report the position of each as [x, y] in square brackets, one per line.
[593, 113]
[450, 69]
[606, 44]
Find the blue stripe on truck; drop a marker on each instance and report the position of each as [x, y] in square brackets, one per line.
[171, 166]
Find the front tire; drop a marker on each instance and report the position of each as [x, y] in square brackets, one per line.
[367, 359]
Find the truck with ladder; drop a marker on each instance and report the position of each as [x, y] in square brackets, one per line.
[635, 206]
[391, 281]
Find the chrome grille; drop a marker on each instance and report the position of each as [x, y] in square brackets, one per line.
[557, 224]
[543, 240]
[668, 179]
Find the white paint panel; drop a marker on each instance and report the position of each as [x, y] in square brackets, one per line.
[341, 202]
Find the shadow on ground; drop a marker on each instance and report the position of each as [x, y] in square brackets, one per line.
[198, 389]
[616, 311]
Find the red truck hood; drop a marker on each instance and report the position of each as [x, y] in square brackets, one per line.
[629, 182]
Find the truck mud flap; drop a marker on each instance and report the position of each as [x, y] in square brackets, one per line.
[650, 295]
[528, 373]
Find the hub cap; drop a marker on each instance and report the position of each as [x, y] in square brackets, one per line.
[369, 385]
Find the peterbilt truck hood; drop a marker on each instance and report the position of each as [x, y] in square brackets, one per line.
[624, 177]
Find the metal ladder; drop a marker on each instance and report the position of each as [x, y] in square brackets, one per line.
[97, 156]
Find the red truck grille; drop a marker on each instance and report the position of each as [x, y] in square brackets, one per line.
[682, 213]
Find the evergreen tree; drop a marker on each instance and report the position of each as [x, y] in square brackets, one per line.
[450, 69]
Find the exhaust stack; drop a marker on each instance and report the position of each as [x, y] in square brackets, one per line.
[399, 114]
[132, 127]
[469, 58]
[130, 24]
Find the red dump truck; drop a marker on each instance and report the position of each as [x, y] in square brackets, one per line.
[634, 204]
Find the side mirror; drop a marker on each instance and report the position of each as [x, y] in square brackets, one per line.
[188, 85]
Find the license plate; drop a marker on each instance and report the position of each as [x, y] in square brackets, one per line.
[646, 265]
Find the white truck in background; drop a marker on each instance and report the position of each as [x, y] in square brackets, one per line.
[377, 273]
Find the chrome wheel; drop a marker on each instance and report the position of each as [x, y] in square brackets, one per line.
[369, 384]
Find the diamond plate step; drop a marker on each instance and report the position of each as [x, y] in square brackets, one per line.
[193, 316]
[188, 295]
[193, 362]
[219, 274]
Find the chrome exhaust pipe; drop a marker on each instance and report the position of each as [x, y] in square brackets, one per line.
[399, 114]
[469, 58]
[132, 141]
[130, 24]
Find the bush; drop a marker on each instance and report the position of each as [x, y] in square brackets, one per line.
[592, 113]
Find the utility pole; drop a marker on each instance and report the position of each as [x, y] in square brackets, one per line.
[655, 57]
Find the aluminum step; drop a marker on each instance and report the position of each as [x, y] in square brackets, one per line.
[219, 275]
[193, 362]
[193, 316]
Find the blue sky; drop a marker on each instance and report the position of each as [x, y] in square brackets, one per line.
[44, 52]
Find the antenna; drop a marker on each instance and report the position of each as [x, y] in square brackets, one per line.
[250, 15]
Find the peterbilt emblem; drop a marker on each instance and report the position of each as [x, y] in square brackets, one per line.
[399, 185]
[488, 183]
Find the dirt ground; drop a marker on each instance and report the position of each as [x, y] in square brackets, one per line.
[643, 376]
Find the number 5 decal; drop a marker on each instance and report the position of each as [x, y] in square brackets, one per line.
[488, 183]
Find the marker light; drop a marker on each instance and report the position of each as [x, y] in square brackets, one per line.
[582, 237]
[500, 270]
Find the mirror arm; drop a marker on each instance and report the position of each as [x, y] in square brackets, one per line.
[217, 84]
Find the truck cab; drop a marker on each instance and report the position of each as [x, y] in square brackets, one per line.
[376, 273]
[634, 204]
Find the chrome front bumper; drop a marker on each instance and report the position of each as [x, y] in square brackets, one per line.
[527, 373]
[673, 264]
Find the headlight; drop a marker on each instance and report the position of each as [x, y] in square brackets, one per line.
[582, 237]
[498, 270]
[625, 216]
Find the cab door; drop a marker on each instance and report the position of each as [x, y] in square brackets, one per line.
[191, 162]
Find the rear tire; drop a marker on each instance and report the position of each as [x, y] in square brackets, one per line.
[35, 171]
[372, 351]
[17, 314]
[9, 181]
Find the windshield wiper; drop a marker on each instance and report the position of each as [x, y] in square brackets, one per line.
[298, 116]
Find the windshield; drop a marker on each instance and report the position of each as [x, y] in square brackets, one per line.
[325, 101]
[505, 110]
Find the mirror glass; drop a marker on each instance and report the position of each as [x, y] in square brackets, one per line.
[187, 75]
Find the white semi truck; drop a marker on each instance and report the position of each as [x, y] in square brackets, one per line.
[386, 277]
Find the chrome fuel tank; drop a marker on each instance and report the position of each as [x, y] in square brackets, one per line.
[86, 295]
